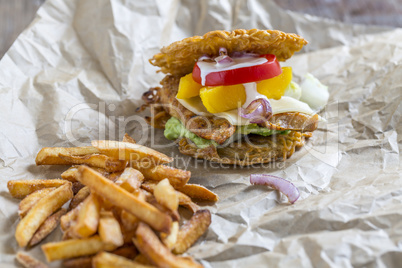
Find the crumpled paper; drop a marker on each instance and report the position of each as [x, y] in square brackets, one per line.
[78, 71]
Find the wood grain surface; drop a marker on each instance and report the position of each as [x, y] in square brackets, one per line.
[16, 15]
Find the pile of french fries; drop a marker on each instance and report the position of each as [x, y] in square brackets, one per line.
[117, 206]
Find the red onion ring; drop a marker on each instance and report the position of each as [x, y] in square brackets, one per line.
[223, 51]
[282, 185]
[258, 111]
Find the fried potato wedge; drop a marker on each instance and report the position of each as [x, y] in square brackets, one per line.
[77, 186]
[29, 262]
[71, 173]
[123, 199]
[30, 200]
[198, 192]
[109, 260]
[131, 152]
[177, 177]
[128, 252]
[81, 262]
[128, 220]
[79, 197]
[169, 240]
[27, 227]
[96, 160]
[166, 195]
[192, 230]
[69, 218]
[130, 180]
[88, 217]
[184, 200]
[22, 188]
[73, 248]
[47, 227]
[152, 248]
[50, 155]
[174, 214]
[109, 230]
[129, 139]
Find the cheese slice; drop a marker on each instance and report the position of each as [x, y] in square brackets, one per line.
[283, 105]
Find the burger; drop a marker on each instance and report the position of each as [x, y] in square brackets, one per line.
[226, 98]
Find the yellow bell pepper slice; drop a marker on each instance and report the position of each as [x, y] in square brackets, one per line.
[274, 88]
[188, 88]
[223, 98]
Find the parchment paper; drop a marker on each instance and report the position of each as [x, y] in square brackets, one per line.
[78, 71]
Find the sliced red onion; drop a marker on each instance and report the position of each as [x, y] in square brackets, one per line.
[258, 111]
[223, 59]
[282, 185]
[223, 51]
[240, 54]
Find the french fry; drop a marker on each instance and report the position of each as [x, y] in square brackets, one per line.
[88, 218]
[86, 262]
[29, 262]
[77, 186]
[30, 200]
[22, 188]
[27, 227]
[131, 152]
[79, 197]
[184, 200]
[113, 176]
[129, 252]
[96, 160]
[142, 260]
[128, 138]
[69, 218]
[128, 220]
[192, 230]
[109, 229]
[47, 227]
[169, 240]
[81, 262]
[109, 260]
[71, 173]
[198, 192]
[73, 248]
[177, 177]
[123, 199]
[166, 195]
[174, 214]
[129, 224]
[130, 180]
[152, 248]
[50, 155]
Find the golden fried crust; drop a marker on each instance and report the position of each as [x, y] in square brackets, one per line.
[179, 57]
[255, 149]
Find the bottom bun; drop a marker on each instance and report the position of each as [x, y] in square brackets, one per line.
[251, 149]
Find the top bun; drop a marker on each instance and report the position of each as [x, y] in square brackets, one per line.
[179, 57]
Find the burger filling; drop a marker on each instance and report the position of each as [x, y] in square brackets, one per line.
[252, 92]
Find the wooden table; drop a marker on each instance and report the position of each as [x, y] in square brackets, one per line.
[15, 15]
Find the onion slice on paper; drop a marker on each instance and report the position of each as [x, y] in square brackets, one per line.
[258, 111]
[282, 185]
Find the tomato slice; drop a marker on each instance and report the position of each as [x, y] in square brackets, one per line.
[231, 75]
